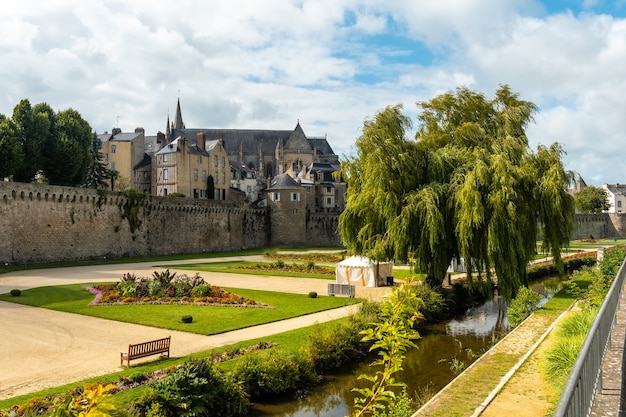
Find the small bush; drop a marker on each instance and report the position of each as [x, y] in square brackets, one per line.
[187, 319]
[524, 303]
[312, 294]
[336, 344]
[194, 388]
[559, 359]
[277, 372]
[16, 293]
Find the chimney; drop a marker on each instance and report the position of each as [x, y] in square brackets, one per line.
[201, 141]
[115, 131]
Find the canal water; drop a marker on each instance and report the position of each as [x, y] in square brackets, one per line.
[444, 350]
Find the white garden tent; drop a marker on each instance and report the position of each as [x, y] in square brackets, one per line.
[358, 270]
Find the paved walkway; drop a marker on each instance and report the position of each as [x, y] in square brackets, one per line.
[44, 348]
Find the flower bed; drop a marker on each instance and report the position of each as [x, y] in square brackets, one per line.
[166, 288]
[281, 266]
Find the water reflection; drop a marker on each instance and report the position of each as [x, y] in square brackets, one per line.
[443, 349]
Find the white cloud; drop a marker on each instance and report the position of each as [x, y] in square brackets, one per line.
[253, 64]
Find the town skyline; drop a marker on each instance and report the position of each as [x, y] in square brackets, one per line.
[327, 65]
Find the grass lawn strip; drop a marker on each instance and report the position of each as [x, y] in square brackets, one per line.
[207, 320]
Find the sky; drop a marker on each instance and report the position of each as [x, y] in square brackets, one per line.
[327, 64]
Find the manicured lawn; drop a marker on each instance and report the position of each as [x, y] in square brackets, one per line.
[206, 319]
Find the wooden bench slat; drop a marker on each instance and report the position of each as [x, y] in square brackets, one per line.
[140, 350]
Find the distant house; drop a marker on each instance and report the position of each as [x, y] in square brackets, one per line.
[616, 194]
[123, 151]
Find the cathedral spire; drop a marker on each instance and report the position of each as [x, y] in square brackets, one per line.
[168, 129]
[178, 120]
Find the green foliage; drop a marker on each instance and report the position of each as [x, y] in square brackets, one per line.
[524, 303]
[391, 336]
[16, 293]
[592, 199]
[201, 290]
[335, 344]
[612, 261]
[11, 153]
[560, 357]
[187, 319]
[402, 406]
[176, 194]
[266, 373]
[130, 208]
[430, 303]
[194, 388]
[98, 173]
[312, 294]
[88, 402]
[468, 185]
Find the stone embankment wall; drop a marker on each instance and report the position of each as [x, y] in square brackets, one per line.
[600, 226]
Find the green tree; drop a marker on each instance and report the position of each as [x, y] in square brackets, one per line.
[592, 200]
[98, 173]
[68, 153]
[468, 185]
[11, 155]
[33, 128]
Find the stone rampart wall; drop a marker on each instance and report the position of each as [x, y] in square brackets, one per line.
[41, 223]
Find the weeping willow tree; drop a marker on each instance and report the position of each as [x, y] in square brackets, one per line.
[467, 186]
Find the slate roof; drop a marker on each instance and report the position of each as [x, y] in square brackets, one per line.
[617, 189]
[248, 140]
[282, 182]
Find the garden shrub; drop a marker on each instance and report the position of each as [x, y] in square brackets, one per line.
[312, 294]
[430, 303]
[335, 344]
[267, 373]
[187, 319]
[16, 293]
[194, 388]
[202, 290]
[524, 303]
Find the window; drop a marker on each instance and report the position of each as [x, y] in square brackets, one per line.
[295, 196]
[248, 189]
[215, 160]
[275, 196]
[112, 166]
[223, 162]
[146, 175]
[295, 211]
[202, 193]
[204, 175]
[164, 157]
[165, 191]
[223, 178]
[195, 175]
[113, 148]
[619, 204]
[199, 159]
[165, 174]
[329, 190]
[329, 202]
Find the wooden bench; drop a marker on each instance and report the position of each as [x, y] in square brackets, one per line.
[144, 349]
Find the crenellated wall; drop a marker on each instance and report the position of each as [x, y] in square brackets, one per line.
[41, 223]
